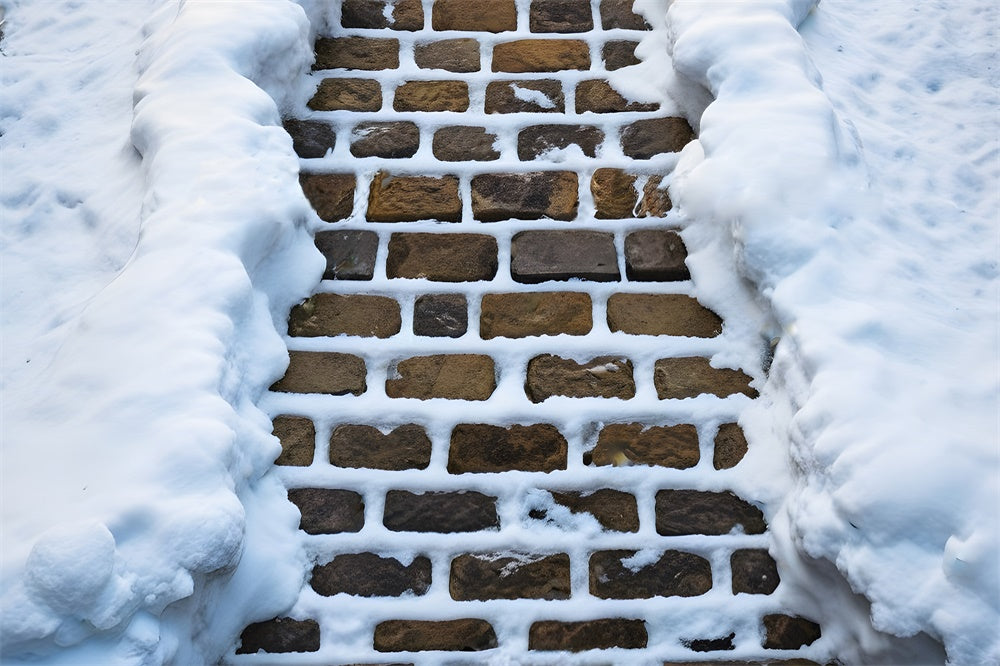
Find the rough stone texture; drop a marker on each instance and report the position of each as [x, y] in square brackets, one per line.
[615, 196]
[643, 139]
[785, 632]
[356, 446]
[655, 255]
[451, 376]
[323, 372]
[710, 644]
[369, 575]
[691, 376]
[347, 95]
[282, 634]
[390, 140]
[310, 138]
[675, 573]
[524, 196]
[432, 96]
[454, 55]
[537, 140]
[597, 96]
[340, 314]
[619, 53]
[482, 577]
[411, 198]
[541, 55]
[465, 635]
[447, 513]
[489, 16]
[405, 15]
[613, 509]
[680, 512]
[538, 256]
[633, 443]
[587, 635]
[768, 662]
[326, 511]
[442, 257]
[331, 194]
[458, 144]
[543, 96]
[350, 255]
[520, 315]
[440, 315]
[479, 447]
[363, 53]
[562, 16]
[730, 446]
[601, 377]
[619, 14]
[662, 314]
[298, 440]
[754, 571]
[655, 199]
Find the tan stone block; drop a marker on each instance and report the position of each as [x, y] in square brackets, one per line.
[432, 96]
[357, 446]
[676, 573]
[531, 96]
[405, 14]
[615, 196]
[613, 509]
[587, 635]
[484, 448]
[489, 15]
[541, 55]
[454, 55]
[682, 512]
[601, 377]
[523, 314]
[524, 196]
[356, 53]
[410, 198]
[691, 376]
[483, 577]
[730, 446]
[340, 314]
[662, 314]
[442, 257]
[347, 95]
[465, 635]
[633, 443]
[323, 372]
[298, 440]
[458, 144]
[331, 194]
[655, 199]
[597, 96]
[450, 376]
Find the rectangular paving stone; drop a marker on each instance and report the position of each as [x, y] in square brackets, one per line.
[489, 15]
[411, 198]
[681, 512]
[662, 314]
[364, 446]
[310, 138]
[688, 377]
[432, 96]
[560, 16]
[537, 140]
[649, 137]
[730, 446]
[619, 14]
[498, 576]
[587, 635]
[453, 55]
[655, 200]
[619, 53]
[465, 635]
[282, 634]
[391, 140]
[404, 14]
[350, 255]
[655, 255]
[614, 192]
[601, 377]
[298, 440]
[450, 376]
[539, 256]
[326, 511]
[615, 510]
[634, 443]
[788, 632]
[597, 96]
[323, 372]
[442, 257]
[460, 144]
[371, 575]
[347, 95]
[330, 194]
[524, 196]
[440, 315]
[531, 96]
[674, 574]
[364, 53]
[345, 314]
[443, 512]
[524, 314]
[541, 55]
[484, 448]
[754, 571]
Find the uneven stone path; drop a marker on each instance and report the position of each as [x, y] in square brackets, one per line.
[499, 421]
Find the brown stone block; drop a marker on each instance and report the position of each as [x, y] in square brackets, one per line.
[655, 199]
[680, 512]
[710, 644]
[587, 635]
[432, 96]
[536, 96]
[412, 198]
[613, 509]
[450, 376]
[633, 443]
[350, 255]
[522, 314]
[405, 14]
[310, 138]
[539, 256]
[524, 196]
[483, 577]
[786, 632]
[489, 15]
[298, 440]
[601, 377]
[537, 140]
[655, 255]
[442, 257]
[619, 53]
[541, 55]
[644, 139]
[356, 53]
[615, 196]
[347, 95]
[322, 372]
[675, 573]
[691, 376]
[282, 634]
[458, 144]
[730, 446]
[466, 635]
[331, 194]
[562, 16]
[754, 571]
[340, 314]
[327, 511]
[447, 513]
[662, 314]
[488, 448]
[440, 315]
[357, 446]
[619, 14]
[454, 55]
[390, 140]
[597, 96]
[369, 575]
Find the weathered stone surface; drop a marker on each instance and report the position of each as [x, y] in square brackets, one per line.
[310, 138]
[356, 446]
[323, 372]
[412, 198]
[675, 573]
[350, 255]
[710, 644]
[754, 571]
[282, 634]
[298, 440]
[613, 509]
[655, 199]
[768, 662]
[537, 140]
[523, 314]
[447, 513]
[619, 53]
[561, 16]
[615, 196]
[597, 96]
[479, 447]
[405, 14]
[489, 15]
[369, 575]
[465, 635]
[345, 314]
[442, 257]
[646, 138]
[441, 315]
[730, 446]
[538, 256]
[587, 635]
[331, 194]
[326, 511]
[482, 577]
[356, 53]
[601, 377]
[390, 140]
[680, 512]
[619, 14]
[524, 196]
[454, 55]
[691, 376]
[432, 96]
[347, 95]
[655, 255]
[451, 376]
[786, 632]
[662, 314]
[633, 443]
[541, 55]
[458, 144]
[535, 96]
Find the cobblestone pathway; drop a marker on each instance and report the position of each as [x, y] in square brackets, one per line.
[485, 424]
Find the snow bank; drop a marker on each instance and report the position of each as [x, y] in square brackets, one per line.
[141, 300]
[879, 266]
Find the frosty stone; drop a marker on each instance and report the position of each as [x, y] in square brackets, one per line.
[597, 96]
[675, 573]
[347, 95]
[454, 55]
[601, 377]
[370, 575]
[442, 257]
[389, 140]
[326, 511]
[632, 443]
[282, 634]
[689, 377]
[524, 196]
[655, 255]
[478, 577]
[458, 144]
[644, 139]
[356, 53]
[730, 446]
[613, 509]
[538, 256]
[523, 314]
[754, 571]
[440, 315]
[466, 635]
[432, 96]
[785, 632]
[662, 314]
[311, 138]
[587, 635]
[455, 377]
[331, 194]
[488, 448]
[680, 512]
[537, 140]
[443, 512]
[339, 314]
[541, 55]
[323, 372]
[411, 198]
[298, 440]
[560, 16]
[534, 96]
[489, 16]
[405, 447]
[350, 255]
